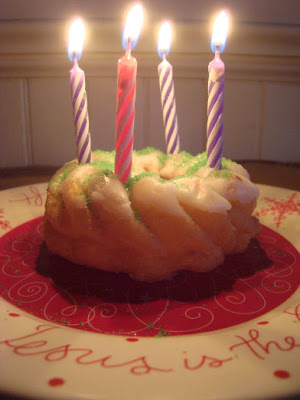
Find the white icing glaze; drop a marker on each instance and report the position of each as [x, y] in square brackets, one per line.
[161, 194]
[145, 162]
[111, 196]
[206, 190]
[171, 170]
[236, 188]
[238, 169]
[196, 191]
[72, 185]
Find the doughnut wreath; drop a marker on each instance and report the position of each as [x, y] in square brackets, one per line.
[174, 213]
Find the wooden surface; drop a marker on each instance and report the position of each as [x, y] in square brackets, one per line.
[274, 174]
[268, 173]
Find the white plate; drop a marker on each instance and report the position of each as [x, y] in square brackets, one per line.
[256, 359]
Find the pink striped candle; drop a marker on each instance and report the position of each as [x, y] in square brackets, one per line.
[165, 73]
[78, 93]
[126, 88]
[215, 105]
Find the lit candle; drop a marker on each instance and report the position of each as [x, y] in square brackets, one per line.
[126, 87]
[165, 74]
[215, 103]
[79, 98]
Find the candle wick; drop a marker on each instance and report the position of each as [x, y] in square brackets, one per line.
[75, 58]
[217, 52]
[163, 55]
[128, 47]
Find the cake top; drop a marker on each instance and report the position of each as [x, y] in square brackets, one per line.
[184, 171]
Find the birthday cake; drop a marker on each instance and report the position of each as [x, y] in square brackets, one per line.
[174, 213]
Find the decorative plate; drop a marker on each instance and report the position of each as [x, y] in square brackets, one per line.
[69, 332]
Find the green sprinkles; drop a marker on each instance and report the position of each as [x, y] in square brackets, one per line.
[162, 333]
[59, 178]
[162, 158]
[194, 168]
[103, 161]
[131, 181]
[97, 174]
[136, 213]
[104, 153]
[221, 174]
[150, 324]
[87, 200]
[103, 165]
[146, 151]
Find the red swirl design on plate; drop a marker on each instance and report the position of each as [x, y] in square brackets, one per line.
[244, 287]
[31, 195]
[4, 223]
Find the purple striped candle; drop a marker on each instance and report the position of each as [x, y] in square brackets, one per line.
[215, 108]
[215, 105]
[78, 93]
[168, 103]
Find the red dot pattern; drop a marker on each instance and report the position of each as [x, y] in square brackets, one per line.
[56, 382]
[282, 374]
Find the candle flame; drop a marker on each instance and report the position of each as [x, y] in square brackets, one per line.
[133, 26]
[220, 32]
[164, 39]
[76, 39]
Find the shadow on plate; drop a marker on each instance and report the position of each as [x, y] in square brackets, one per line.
[186, 286]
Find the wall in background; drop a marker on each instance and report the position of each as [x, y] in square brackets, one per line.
[262, 57]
